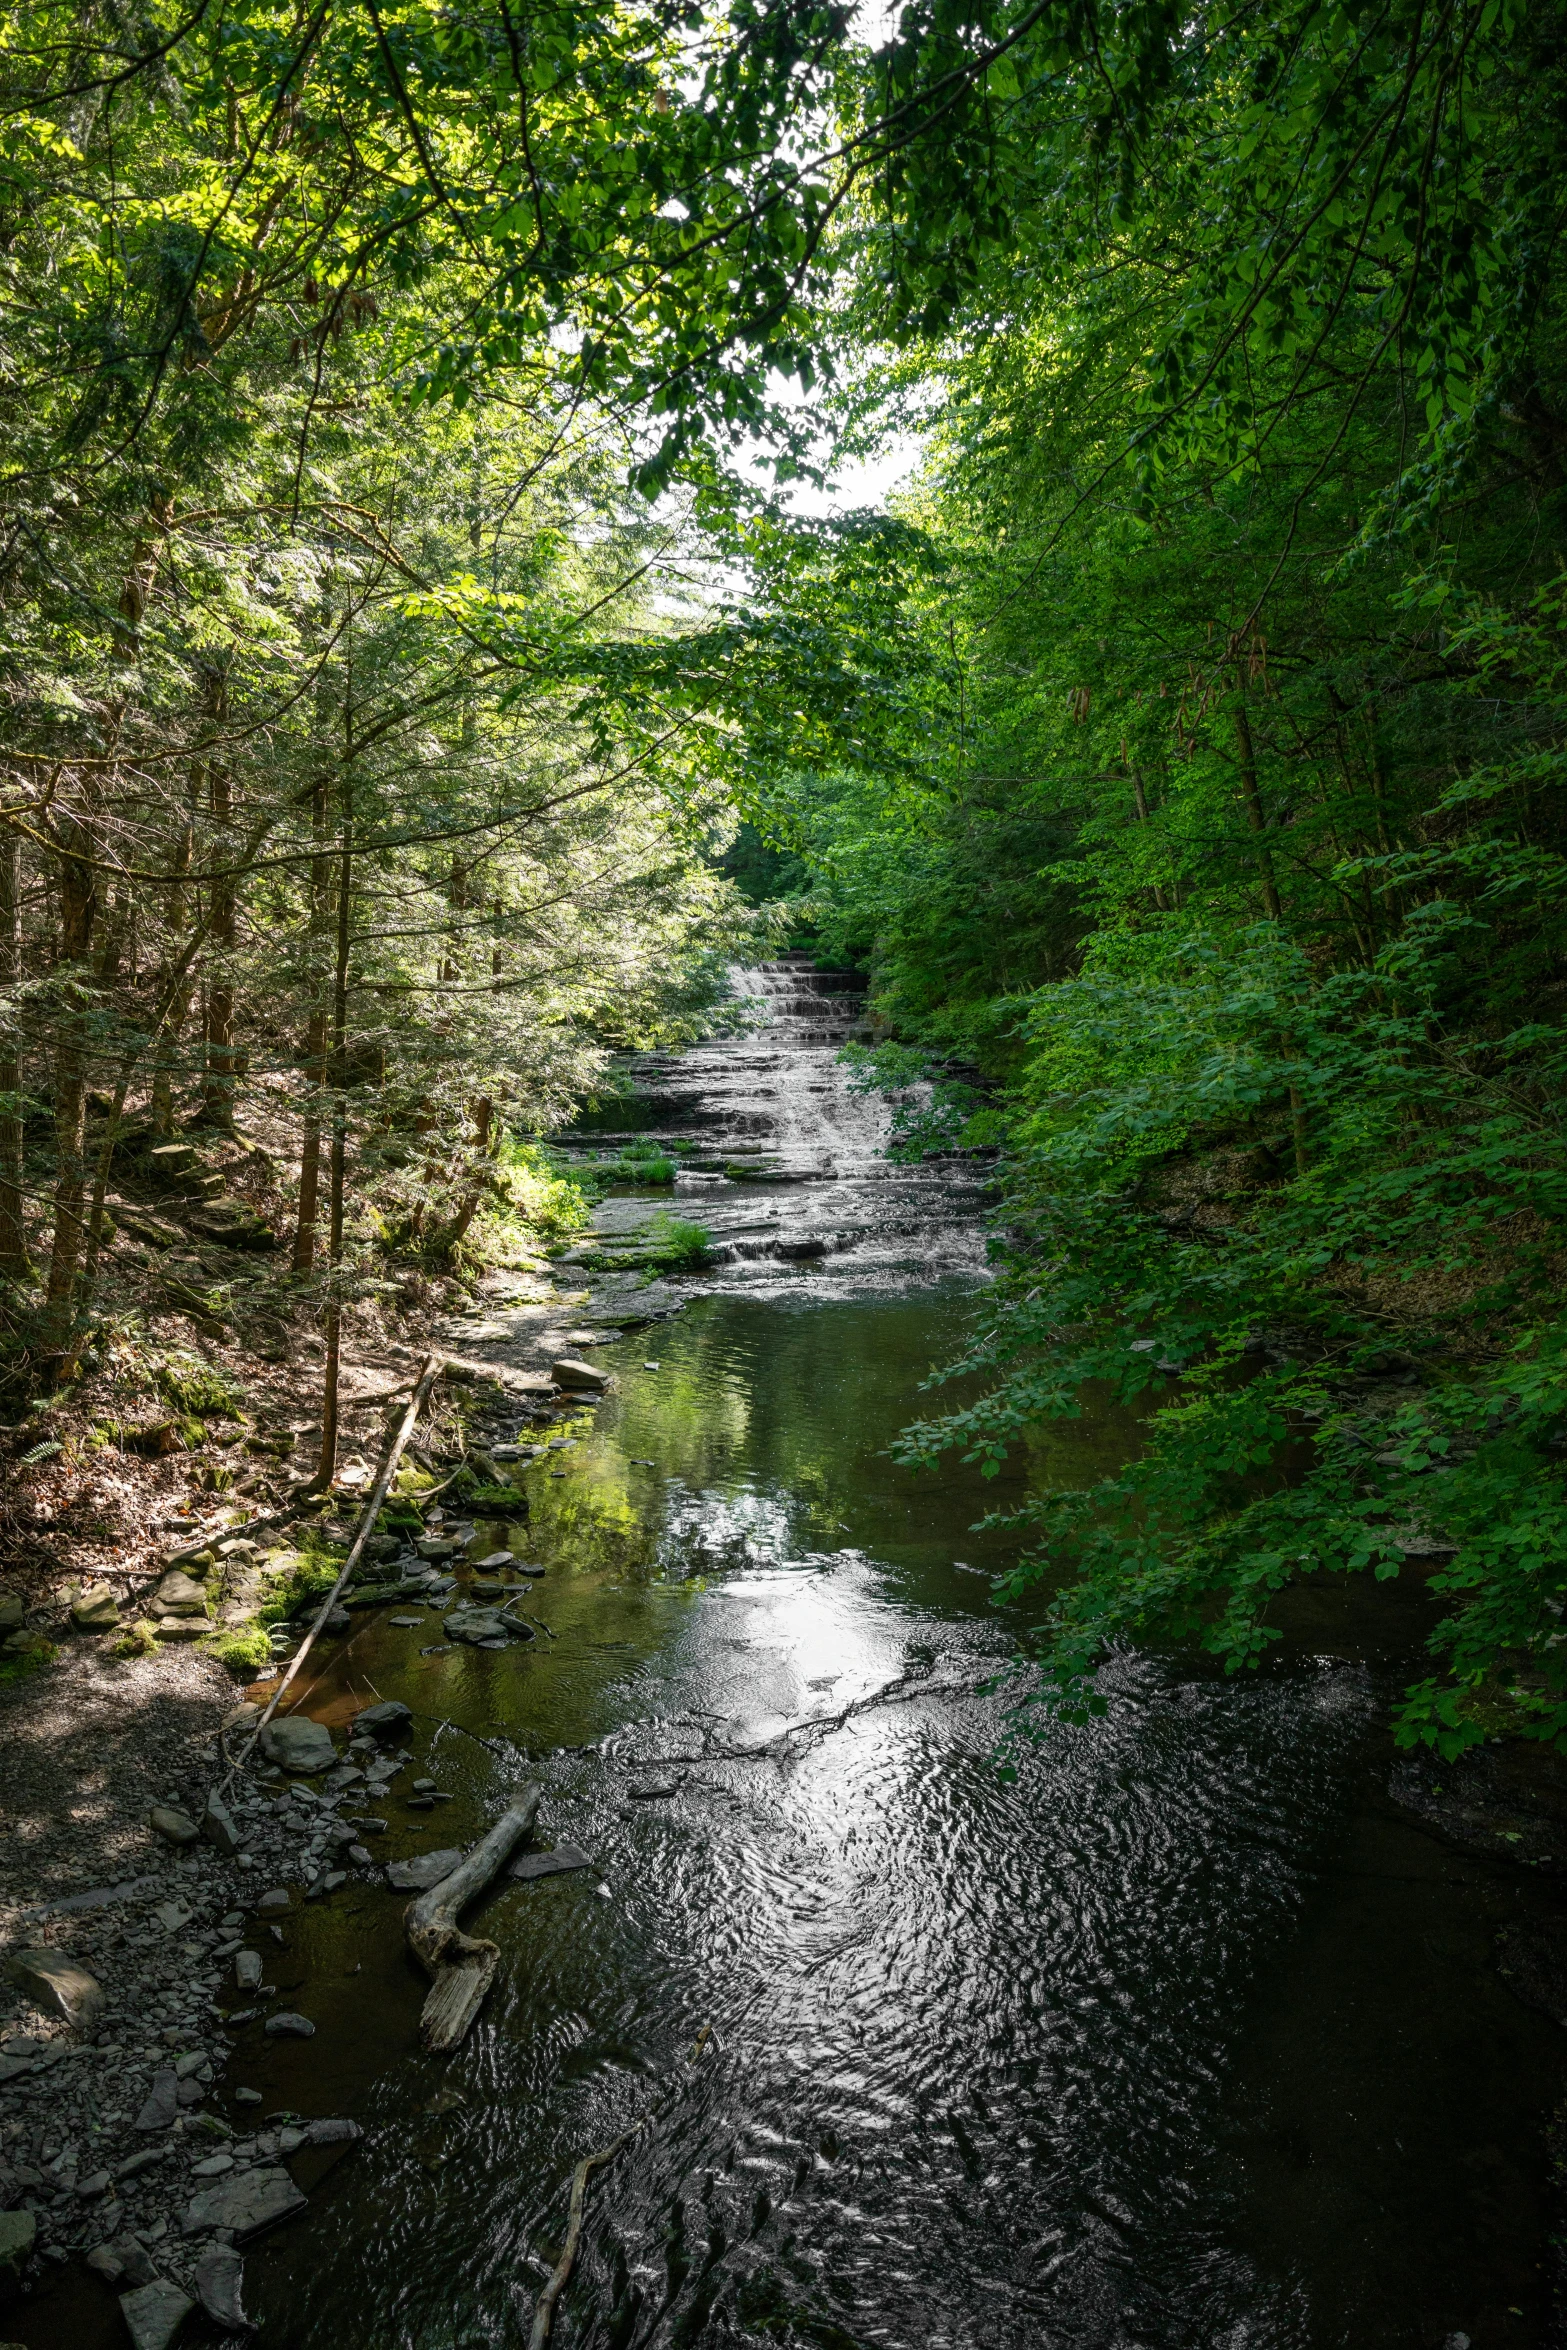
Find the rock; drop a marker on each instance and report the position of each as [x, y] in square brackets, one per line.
[327, 1882]
[579, 1376]
[564, 1858]
[182, 1627]
[220, 2274]
[96, 1609]
[173, 1826]
[179, 1595]
[162, 2104]
[435, 1546]
[248, 2097]
[154, 2313]
[218, 1826]
[105, 2262]
[216, 2166]
[247, 1970]
[273, 1902]
[332, 2133]
[336, 1619]
[384, 1721]
[12, 1609]
[423, 1871]
[186, 2066]
[653, 1790]
[57, 1984]
[484, 1624]
[134, 2163]
[289, 2026]
[245, 2203]
[89, 2190]
[18, 2234]
[496, 1560]
[299, 1744]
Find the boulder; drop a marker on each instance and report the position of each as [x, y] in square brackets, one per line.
[154, 2313]
[173, 1826]
[95, 1609]
[299, 1744]
[179, 1595]
[247, 1969]
[220, 2275]
[423, 1871]
[478, 1624]
[56, 1983]
[179, 1628]
[287, 2025]
[245, 2203]
[580, 1377]
[18, 2233]
[387, 1720]
[332, 2132]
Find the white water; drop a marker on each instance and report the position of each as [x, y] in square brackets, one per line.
[787, 1166]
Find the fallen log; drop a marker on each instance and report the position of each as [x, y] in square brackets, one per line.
[462, 1966]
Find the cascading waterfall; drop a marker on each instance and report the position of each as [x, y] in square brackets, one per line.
[785, 1161]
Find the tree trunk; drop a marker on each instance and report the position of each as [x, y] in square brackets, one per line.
[315, 1041]
[78, 906]
[13, 1237]
[218, 1093]
[179, 1010]
[327, 1467]
[468, 1208]
[1255, 816]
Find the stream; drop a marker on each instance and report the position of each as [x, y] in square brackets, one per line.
[1177, 2034]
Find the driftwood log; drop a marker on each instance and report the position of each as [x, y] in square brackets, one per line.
[462, 1967]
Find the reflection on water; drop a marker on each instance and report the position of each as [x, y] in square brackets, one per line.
[1178, 2038]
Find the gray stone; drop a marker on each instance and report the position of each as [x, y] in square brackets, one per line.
[220, 2275]
[218, 1826]
[577, 1375]
[178, 1595]
[299, 1744]
[12, 1609]
[154, 2313]
[333, 2132]
[56, 1983]
[104, 2261]
[90, 2189]
[274, 1901]
[287, 2025]
[245, 2203]
[558, 1863]
[134, 2163]
[247, 1969]
[215, 2166]
[173, 1826]
[496, 1560]
[248, 2097]
[96, 1609]
[18, 2234]
[163, 2103]
[423, 1871]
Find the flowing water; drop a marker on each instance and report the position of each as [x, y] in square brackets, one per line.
[1166, 2034]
